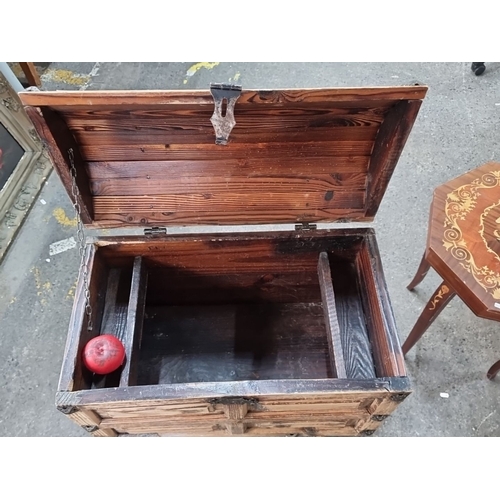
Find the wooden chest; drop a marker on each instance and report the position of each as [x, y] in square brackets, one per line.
[249, 332]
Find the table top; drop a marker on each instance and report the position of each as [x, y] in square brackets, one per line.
[463, 243]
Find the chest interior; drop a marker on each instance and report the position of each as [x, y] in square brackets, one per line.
[254, 307]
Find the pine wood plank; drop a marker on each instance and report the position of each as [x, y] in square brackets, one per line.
[164, 129]
[223, 201]
[220, 218]
[135, 319]
[279, 252]
[352, 320]
[387, 353]
[338, 166]
[114, 320]
[203, 97]
[388, 147]
[276, 409]
[330, 313]
[179, 179]
[337, 389]
[271, 151]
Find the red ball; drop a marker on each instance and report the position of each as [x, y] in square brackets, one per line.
[103, 354]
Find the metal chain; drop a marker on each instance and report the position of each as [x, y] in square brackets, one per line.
[80, 234]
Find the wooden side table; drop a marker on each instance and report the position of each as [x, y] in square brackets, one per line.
[463, 246]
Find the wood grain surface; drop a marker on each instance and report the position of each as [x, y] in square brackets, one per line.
[352, 320]
[386, 347]
[186, 344]
[57, 138]
[268, 407]
[156, 98]
[463, 243]
[114, 318]
[333, 333]
[234, 332]
[391, 139]
[299, 155]
[135, 321]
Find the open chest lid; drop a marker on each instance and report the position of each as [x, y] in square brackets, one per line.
[150, 158]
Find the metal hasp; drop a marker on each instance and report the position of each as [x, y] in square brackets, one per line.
[224, 122]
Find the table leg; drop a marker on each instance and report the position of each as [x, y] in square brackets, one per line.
[422, 271]
[436, 304]
[493, 370]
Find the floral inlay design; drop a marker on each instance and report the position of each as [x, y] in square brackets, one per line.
[459, 204]
[439, 297]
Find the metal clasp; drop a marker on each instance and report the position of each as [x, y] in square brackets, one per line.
[155, 231]
[305, 226]
[224, 122]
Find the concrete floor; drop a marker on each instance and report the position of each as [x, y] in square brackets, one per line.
[457, 130]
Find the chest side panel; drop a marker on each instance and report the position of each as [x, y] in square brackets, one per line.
[327, 414]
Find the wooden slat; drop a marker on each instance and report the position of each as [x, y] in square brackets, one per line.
[250, 167]
[331, 429]
[387, 353]
[203, 97]
[81, 111]
[177, 287]
[239, 135]
[254, 419]
[272, 150]
[331, 321]
[187, 410]
[257, 124]
[139, 178]
[352, 320]
[272, 422]
[368, 400]
[114, 319]
[222, 201]
[58, 139]
[390, 142]
[115, 310]
[135, 320]
[337, 389]
[283, 216]
[211, 186]
[203, 254]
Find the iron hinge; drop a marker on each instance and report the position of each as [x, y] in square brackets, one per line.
[155, 231]
[305, 226]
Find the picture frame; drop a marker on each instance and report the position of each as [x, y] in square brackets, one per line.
[24, 164]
